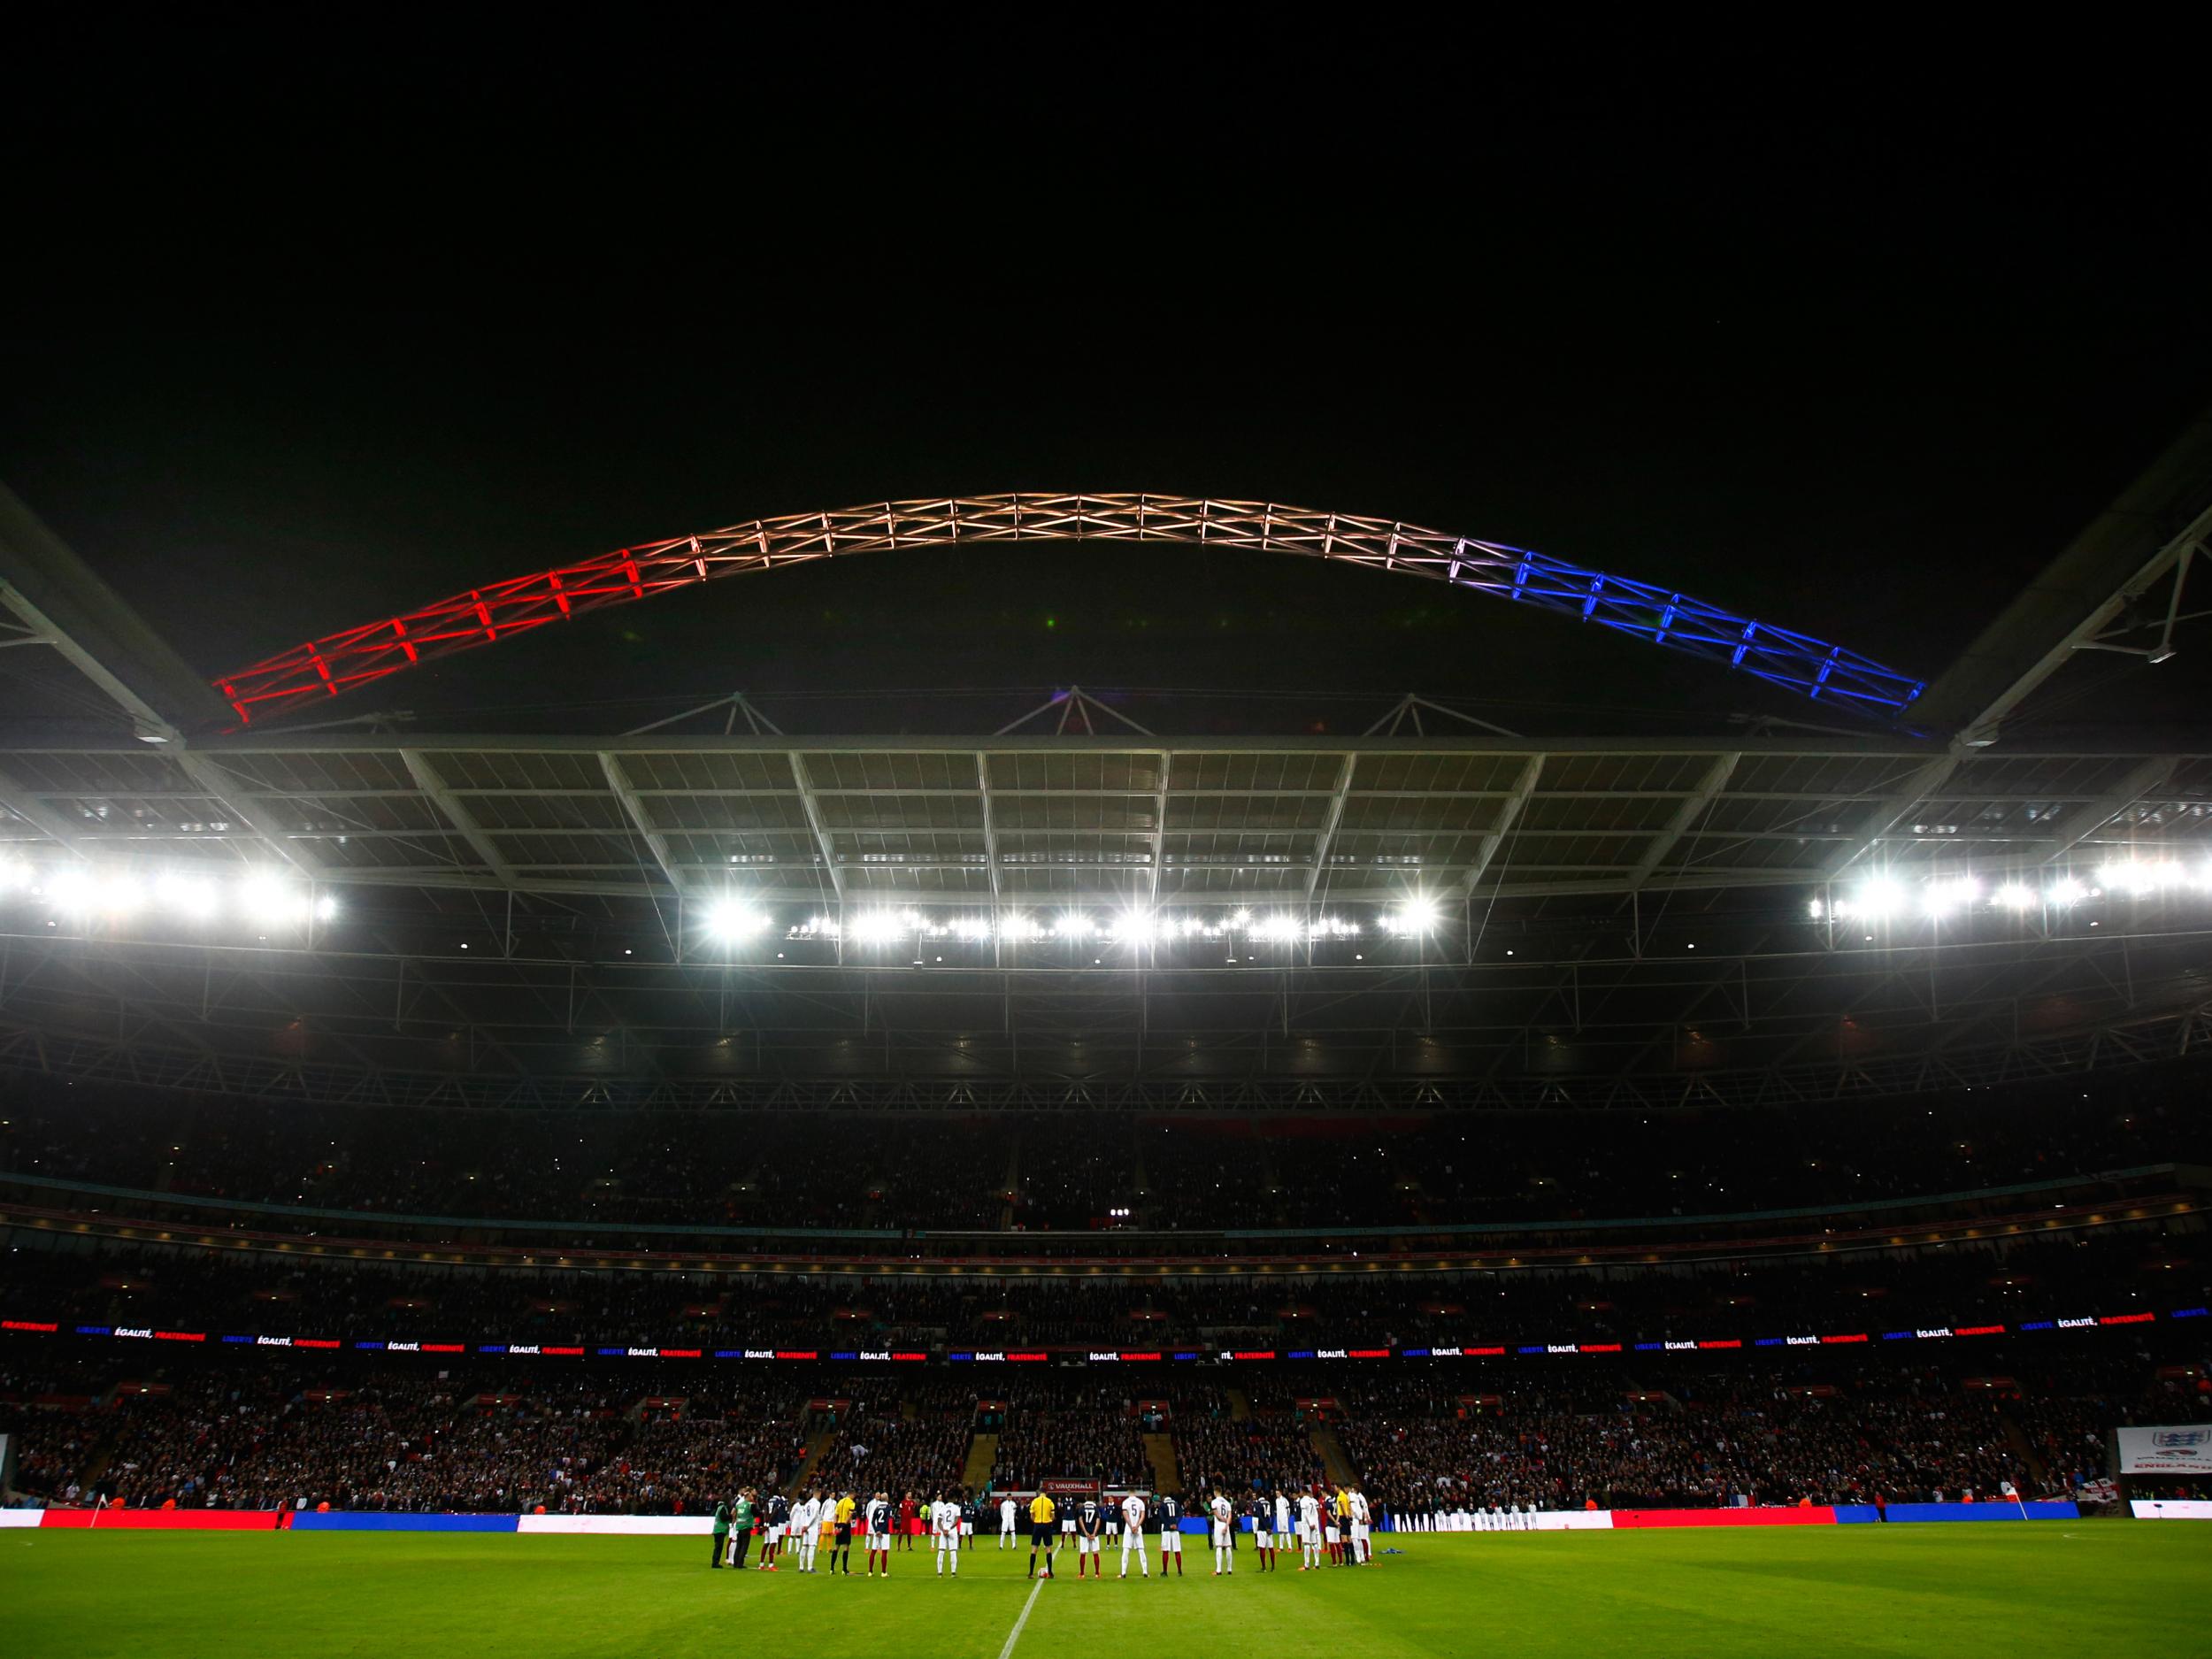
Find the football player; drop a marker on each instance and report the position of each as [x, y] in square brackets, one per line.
[883, 1515]
[944, 1525]
[776, 1521]
[1169, 1510]
[1224, 1521]
[806, 1528]
[1133, 1535]
[1090, 1525]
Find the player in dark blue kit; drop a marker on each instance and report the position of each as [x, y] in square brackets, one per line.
[1090, 1536]
[1169, 1510]
[881, 1517]
[779, 1518]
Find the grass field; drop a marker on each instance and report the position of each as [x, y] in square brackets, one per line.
[1954, 1590]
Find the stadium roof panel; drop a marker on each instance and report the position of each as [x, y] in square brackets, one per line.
[796, 818]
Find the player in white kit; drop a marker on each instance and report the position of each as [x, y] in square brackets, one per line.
[1284, 1535]
[1224, 1518]
[1362, 1547]
[1007, 1539]
[1132, 1536]
[1310, 1532]
[806, 1528]
[944, 1526]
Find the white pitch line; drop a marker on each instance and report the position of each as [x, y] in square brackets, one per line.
[1015, 1634]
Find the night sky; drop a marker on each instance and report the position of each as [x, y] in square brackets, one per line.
[300, 338]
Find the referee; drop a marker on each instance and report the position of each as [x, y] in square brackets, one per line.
[1042, 1535]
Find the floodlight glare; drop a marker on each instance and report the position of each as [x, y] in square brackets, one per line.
[1073, 924]
[187, 895]
[1135, 928]
[272, 900]
[2015, 895]
[1955, 893]
[878, 927]
[1879, 898]
[731, 919]
[2065, 891]
[2135, 878]
[73, 892]
[1418, 915]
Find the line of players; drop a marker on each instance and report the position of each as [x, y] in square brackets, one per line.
[1315, 1522]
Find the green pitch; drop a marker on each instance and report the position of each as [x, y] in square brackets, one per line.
[1953, 1591]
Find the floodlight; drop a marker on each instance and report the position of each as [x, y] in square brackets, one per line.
[731, 919]
[1418, 915]
[72, 891]
[1954, 893]
[193, 896]
[272, 899]
[1879, 898]
[1135, 928]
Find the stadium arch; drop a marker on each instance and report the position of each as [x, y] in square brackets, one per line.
[336, 663]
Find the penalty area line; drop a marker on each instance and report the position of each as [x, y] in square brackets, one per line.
[1015, 1634]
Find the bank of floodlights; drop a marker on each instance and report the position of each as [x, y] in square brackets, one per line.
[86, 894]
[1889, 897]
[734, 920]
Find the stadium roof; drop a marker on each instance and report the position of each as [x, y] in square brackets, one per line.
[819, 821]
[760, 916]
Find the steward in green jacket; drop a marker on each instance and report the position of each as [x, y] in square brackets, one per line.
[721, 1530]
[741, 1524]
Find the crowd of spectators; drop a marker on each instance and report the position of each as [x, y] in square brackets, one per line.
[268, 1431]
[2123, 1266]
[1267, 1449]
[603, 1171]
[1902, 1433]
[1069, 1428]
[886, 1443]
[267, 1436]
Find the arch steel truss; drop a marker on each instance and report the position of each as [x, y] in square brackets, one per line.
[328, 667]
